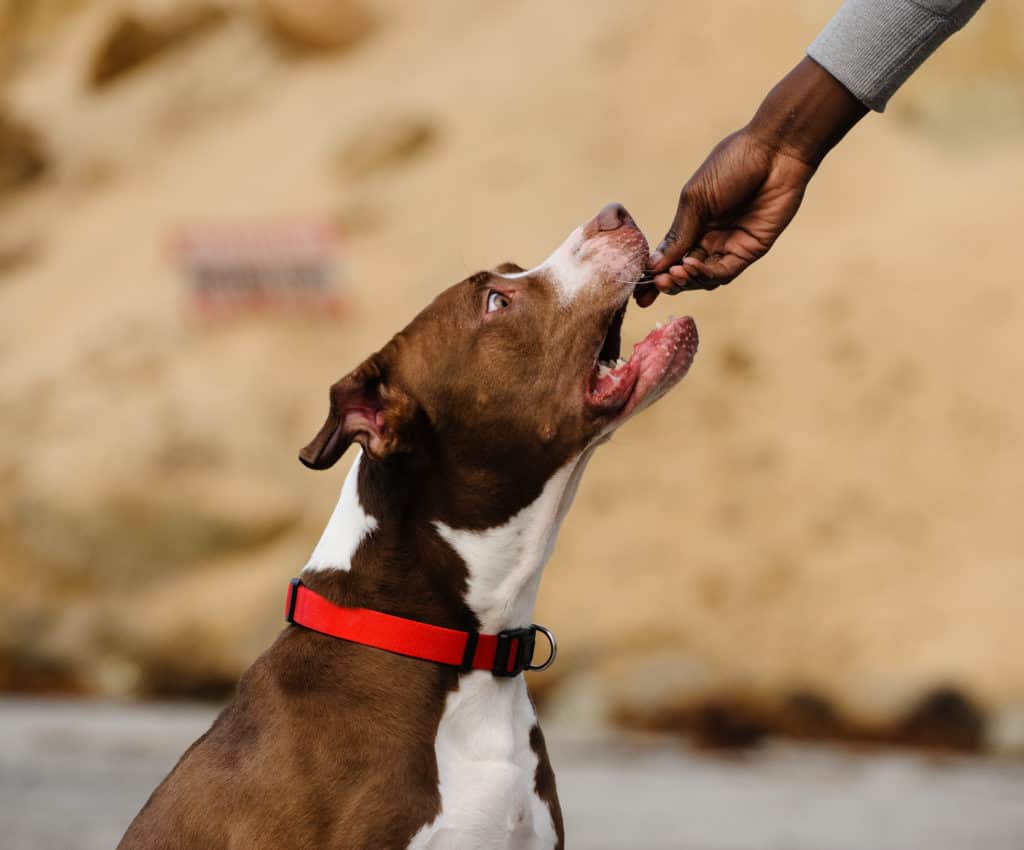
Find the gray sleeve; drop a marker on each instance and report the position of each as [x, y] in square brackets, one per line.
[872, 46]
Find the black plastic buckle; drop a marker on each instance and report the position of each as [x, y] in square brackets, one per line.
[524, 640]
[293, 597]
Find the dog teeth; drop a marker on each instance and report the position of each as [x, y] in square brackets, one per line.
[606, 367]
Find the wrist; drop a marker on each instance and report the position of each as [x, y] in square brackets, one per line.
[806, 114]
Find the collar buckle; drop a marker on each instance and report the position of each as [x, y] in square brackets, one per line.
[514, 651]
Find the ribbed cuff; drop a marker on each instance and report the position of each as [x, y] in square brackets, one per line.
[872, 46]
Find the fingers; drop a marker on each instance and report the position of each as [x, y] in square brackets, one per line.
[681, 277]
[710, 272]
[696, 271]
[682, 235]
[675, 279]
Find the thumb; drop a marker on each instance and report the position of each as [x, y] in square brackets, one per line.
[686, 229]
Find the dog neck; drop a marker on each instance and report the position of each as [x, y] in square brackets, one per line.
[382, 549]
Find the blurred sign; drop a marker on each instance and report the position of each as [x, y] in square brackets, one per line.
[286, 266]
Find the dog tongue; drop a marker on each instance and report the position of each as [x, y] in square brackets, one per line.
[611, 387]
[652, 357]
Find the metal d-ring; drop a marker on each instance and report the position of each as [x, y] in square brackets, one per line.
[554, 649]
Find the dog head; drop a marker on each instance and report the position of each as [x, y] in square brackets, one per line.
[513, 370]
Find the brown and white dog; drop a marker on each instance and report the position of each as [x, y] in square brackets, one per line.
[475, 423]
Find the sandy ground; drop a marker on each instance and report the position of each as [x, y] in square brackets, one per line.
[73, 774]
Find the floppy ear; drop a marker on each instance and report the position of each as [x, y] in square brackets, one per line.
[509, 268]
[366, 410]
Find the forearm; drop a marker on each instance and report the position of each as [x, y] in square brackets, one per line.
[873, 46]
[863, 55]
[734, 207]
[806, 114]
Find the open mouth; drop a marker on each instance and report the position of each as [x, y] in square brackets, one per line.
[658, 362]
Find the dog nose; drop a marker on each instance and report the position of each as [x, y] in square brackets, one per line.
[612, 217]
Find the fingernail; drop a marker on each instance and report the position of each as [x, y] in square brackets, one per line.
[655, 258]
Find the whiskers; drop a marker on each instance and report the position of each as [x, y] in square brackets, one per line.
[646, 277]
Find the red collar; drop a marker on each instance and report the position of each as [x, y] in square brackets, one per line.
[507, 653]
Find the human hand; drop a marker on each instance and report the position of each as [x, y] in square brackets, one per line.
[730, 213]
[747, 191]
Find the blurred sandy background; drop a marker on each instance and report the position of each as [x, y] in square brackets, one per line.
[818, 533]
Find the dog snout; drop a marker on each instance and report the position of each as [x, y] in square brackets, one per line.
[611, 217]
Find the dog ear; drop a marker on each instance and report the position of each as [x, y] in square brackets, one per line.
[509, 268]
[364, 409]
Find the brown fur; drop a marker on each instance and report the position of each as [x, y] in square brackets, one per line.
[463, 417]
[330, 744]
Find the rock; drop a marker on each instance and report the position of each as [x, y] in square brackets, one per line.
[1004, 733]
[737, 361]
[27, 26]
[178, 638]
[796, 514]
[807, 715]
[25, 669]
[576, 701]
[130, 535]
[646, 686]
[134, 40]
[17, 253]
[387, 144]
[678, 693]
[22, 157]
[318, 25]
[945, 718]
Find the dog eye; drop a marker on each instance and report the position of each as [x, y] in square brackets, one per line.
[496, 301]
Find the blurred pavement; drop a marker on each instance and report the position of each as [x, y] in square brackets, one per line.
[73, 774]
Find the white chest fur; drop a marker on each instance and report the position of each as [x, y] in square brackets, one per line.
[487, 772]
[505, 562]
[486, 766]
